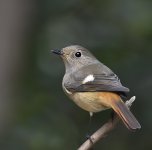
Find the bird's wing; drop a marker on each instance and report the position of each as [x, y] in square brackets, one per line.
[96, 80]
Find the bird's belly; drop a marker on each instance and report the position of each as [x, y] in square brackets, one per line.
[89, 101]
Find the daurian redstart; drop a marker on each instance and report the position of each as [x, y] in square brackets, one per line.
[92, 85]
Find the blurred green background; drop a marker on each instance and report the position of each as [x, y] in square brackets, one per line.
[35, 114]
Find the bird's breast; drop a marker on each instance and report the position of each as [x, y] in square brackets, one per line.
[89, 101]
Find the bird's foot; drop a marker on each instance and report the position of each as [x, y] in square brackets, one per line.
[88, 137]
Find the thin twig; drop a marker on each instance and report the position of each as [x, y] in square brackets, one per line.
[102, 132]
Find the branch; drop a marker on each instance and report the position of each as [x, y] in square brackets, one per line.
[106, 128]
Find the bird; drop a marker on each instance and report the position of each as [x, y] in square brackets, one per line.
[92, 85]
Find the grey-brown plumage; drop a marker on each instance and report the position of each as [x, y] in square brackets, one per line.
[92, 85]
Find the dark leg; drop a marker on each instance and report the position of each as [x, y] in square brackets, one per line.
[112, 115]
[88, 128]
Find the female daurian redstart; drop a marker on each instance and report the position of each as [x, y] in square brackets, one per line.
[92, 85]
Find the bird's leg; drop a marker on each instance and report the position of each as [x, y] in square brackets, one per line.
[112, 115]
[88, 128]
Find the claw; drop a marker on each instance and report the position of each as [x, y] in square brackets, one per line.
[89, 138]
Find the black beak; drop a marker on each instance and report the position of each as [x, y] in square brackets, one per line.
[58, 52]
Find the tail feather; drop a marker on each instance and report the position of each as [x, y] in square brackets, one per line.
[114, 101]
[125, 114]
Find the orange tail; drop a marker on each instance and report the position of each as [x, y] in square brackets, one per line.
[114, 101]
[125, 114]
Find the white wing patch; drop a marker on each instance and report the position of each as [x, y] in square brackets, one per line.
[89, 78]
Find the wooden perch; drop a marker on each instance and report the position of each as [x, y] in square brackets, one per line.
[102, 132]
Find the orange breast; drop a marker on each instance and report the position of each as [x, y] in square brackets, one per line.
[94, 101]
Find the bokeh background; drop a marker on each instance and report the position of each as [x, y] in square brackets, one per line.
[35, 114]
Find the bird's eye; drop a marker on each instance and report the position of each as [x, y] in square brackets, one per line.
[78, 54]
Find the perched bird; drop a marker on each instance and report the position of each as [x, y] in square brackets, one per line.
[92, 85]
